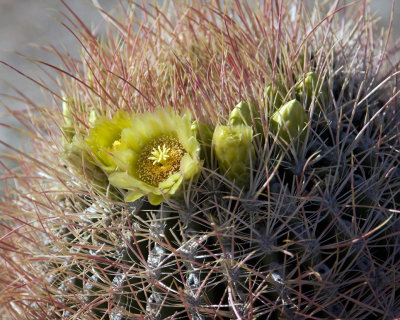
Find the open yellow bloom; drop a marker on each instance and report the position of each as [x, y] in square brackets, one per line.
[159, 152]
[104, 139]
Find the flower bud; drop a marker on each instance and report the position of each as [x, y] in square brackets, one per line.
[68, 120]
[234, 151]
[202, 132]
[274, 96]
[77, 157]
[310, 87]
[244, 113]
[289, 121]
[92, 118]
[104, 140]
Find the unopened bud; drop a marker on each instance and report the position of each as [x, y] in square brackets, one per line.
[80, 161]
[234, 151]
[244, 113]
[92, 117]
[68, 120]
[203, 134]
[274, 95]
[68, 128]
[289, 121]
[310, 87]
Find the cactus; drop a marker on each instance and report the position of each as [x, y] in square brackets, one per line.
[182, 184]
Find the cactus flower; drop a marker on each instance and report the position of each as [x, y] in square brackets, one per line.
[105, 139]
[289, 121]
[234, 151]
[79, 159]
[158, 153]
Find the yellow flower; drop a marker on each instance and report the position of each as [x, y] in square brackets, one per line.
[104, 139]
[78, 158]
[159, 152]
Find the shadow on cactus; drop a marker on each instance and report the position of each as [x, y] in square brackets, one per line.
[210, 162]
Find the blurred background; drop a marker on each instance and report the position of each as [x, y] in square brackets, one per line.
[27, 22]
[24, 25]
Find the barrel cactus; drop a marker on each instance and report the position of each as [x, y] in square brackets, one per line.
[209, 161]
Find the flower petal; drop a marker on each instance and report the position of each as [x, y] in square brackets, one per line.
[155, 199]
[132, 196]
[125, 181]
[124, 159]
[172, 184]
[189, 166]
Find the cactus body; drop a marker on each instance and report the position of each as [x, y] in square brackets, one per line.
[174, 200]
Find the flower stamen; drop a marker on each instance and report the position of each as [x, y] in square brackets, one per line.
[160, 155]
[160, 159]
[116, 144]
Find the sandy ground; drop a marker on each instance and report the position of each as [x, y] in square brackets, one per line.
[23, 22]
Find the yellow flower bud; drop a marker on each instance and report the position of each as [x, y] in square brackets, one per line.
[75, 154]
[274, 97]
[244, 113]
[289, 121]
[92, 117]
[235, 152]
[68, 120]
[310, 87]
[203, 134]
[68, 128]
[104, 139]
